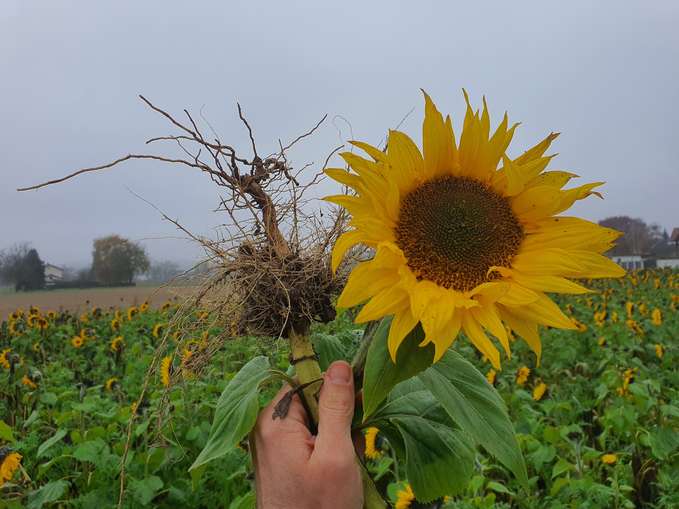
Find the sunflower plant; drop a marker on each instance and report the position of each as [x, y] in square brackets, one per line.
[464, 240]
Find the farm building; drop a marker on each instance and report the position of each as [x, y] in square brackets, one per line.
[53, 274]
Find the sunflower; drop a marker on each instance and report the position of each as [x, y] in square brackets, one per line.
[144, 307]
[609, 459]
[465, 238]
[77, 341]
[656, 317]
[491, 376]
[404, 497]
[371, 450]
[117, 344]
[539, 391]
[4, 362]
[659, 351]
[132, 311]
[28, 382]
[111, 383]
[522, 375]
[9, 464]
[158, 330]
[115, 324]
[166, 370]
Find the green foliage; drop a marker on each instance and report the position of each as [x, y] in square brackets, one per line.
[382, 374]
[72, 431]
[236, 411]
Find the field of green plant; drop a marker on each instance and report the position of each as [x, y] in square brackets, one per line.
[598, 419]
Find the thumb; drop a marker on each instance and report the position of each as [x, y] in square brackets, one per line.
[336, 407]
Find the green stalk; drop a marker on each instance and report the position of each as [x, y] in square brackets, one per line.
[308, 370]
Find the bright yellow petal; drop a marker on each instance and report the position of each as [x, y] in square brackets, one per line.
[537, 151]
[438, 142]
[389, 301]
[487, 316]
[545, 312]
[343, 243]
[344, 177]
[479, 339]
[365, 281]
[373, 152]
[401, 325]
[527, 329]
[406, 164]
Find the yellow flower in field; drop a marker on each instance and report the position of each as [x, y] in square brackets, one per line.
[32, 320]
[28, 382]
[117, 344]
[371, 450]
[600, 317]
[627, 379]
[4, 362]
[166, 370]
[581, 327]
[115, 325]
[465, 238]
[144, 307]
[186, 356]
[132, 311]
[614, 317]
[84, 318]
[202, 315]
[539, 391]
[656, 317]
[656, 283]
[629, 308]
[166, 306]
[52, 315]
[602, 341]
[12, 327]
[643, 309]
[491, 376]
[634, 326]
[111, 383]
[609, 459]
[404, 497]
[158, 330]
[77, 341]
[659, 351]
[118, 315]
[10, 464]
[522, 375]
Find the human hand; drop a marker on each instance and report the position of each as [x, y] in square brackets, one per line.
[296, 470]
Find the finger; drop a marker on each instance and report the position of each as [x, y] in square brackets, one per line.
[336, 408]
[295, 412]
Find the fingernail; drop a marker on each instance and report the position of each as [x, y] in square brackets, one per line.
[339, 372]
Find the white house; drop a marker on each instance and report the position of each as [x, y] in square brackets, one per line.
[53, 274]
[629, 262]
[672, 263]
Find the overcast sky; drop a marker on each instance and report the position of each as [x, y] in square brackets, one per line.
[603, 73]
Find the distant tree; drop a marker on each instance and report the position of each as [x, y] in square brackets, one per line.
[163, 271]
[116, 260]
[22, 267]
[638, 237]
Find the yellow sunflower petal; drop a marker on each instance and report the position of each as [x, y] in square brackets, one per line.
[373, 152]
[401, 325]
[440, 153]
[487, 316]
[343, 243]
[525, 328]
[476, 335]
[389, 301]
[406, 163]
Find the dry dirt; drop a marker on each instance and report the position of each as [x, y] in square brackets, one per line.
[79, 300]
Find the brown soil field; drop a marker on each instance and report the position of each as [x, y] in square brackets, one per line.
[79, 300]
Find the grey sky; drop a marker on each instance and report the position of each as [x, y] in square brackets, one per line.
[603, 73]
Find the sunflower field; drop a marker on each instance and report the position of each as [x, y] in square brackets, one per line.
[597, 420]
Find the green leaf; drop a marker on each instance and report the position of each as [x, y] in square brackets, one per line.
[6, 432]
[663, 442]
[93, 451]
[329, 349]
[61, 433]
[50, 492]
[477, 408]
[439, 459]
[236, 411]
[382, 374]
[145, 490]
[246, 501]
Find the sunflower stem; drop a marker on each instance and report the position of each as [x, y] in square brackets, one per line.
[308, 371]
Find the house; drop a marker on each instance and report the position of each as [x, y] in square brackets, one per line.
[631, 262]
[53, 274]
